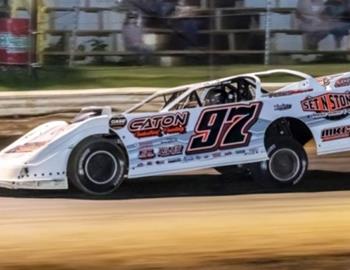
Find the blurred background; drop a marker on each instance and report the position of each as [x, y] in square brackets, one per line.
[183, 32]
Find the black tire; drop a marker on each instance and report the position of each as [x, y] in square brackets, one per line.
[97, 166]
[286, 167]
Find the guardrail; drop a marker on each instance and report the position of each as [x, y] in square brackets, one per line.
[22, 111]
[38, 103]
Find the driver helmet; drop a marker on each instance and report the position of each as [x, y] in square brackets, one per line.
[216, 96]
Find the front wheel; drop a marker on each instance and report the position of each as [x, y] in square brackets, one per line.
[286, 166]
[97, 166]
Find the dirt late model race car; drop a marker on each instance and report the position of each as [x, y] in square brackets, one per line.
[227, 123]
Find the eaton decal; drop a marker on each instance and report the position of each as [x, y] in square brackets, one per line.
[326, 103]
[159, 125]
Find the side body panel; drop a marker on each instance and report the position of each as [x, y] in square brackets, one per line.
[163, 143]
[323, 106]
[231, 134]
[331, 111]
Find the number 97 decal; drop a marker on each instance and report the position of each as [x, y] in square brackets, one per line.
[224, 128]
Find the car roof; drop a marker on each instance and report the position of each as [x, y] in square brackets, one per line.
[187, 89]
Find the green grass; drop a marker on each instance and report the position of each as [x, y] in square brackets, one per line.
[50, 78]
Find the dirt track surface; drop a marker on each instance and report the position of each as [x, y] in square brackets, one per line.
[204, 221]
[198, 221]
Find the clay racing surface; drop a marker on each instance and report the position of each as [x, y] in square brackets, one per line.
[200, 221]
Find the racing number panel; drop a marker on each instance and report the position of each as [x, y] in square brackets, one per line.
[224, 127]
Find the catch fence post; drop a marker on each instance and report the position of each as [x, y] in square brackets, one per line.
[268, 33]
[73, 42]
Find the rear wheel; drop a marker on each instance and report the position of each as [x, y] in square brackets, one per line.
[97, 166]
[286, 166]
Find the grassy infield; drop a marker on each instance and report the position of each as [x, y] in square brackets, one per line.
[106, 77]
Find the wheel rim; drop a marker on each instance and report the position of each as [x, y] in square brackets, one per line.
[284, 165]
[101, 167]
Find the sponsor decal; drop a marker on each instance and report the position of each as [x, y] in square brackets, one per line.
[167, 151]
[39, 140]
[175, 160]
[342, 82]
[188, 158]
[147, 153]
[159, 125]
[13, 43]
[332, 134]
[289, 93]
[170, 151]
[178, 150]
[168, 141]
[333, 116]
[27, 148]
[217, 155]
[248, 152]
[330, 102]
[282, 107]
[117, 122]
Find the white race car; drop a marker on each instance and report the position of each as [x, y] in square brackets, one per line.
[231, 122]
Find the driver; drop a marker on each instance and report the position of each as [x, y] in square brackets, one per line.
[244, 93]
[216, 96]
